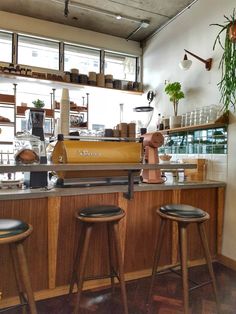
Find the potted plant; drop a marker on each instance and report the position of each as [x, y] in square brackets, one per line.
[175, 93]
[227, 84]
[38, 103]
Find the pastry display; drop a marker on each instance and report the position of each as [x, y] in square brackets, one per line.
[165, 158]
[26, 156]
[3, 119]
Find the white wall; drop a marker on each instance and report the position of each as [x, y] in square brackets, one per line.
[162, 54]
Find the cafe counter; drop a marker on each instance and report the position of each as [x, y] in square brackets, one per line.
[51, 212]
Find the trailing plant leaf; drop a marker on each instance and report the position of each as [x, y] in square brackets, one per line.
[227, 84]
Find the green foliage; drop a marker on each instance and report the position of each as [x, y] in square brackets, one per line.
[175, 93]
[227, 85]
[38, 103]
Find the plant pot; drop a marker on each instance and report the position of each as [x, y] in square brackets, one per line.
[232, 32]
[175, 122]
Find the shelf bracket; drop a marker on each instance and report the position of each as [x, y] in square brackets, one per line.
[130, 193]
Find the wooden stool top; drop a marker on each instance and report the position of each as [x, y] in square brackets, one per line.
[182, 213]
[13, 230]
[100, 213]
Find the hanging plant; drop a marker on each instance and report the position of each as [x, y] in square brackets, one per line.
[227, 85]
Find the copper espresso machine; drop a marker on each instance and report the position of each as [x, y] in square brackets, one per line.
[151, 141]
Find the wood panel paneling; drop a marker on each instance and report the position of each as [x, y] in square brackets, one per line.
[50, 249]
[205, 199]
[97, 263]
[142, 229]
[33, 212]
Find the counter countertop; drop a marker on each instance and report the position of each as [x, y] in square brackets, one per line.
[13, 194]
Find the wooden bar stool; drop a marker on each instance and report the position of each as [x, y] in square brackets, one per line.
[183, 215]
[88, 217]
[14, 232]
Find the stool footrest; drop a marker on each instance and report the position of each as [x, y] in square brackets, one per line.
[114, 275]
[199, 285]
[172, 270]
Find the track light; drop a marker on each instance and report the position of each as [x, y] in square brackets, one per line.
[143, 24]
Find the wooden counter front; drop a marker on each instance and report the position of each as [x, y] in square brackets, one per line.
[50, 248]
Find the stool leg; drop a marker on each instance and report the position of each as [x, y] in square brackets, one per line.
[25, 277]
[84, 253]
[17, 274]
[157, 255]
[109, 236]
[202, 233]
[76, 260]
[115, 228]
[184, 264]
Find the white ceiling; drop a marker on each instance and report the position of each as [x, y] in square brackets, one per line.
[100, 15]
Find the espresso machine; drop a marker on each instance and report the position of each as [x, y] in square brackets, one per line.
[35, 124]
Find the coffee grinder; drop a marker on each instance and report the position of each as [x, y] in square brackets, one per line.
[151, 141]
[35, 123]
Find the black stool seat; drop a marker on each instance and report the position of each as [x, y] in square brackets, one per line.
[12, 227]
[100, 211]
[182, 211]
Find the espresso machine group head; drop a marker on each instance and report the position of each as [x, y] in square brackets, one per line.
[151, 142]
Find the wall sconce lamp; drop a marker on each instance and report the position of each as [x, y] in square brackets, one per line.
[185, 64]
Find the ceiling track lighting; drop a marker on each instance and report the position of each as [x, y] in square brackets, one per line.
[143, 24]
[185, 64]
[66, 10]
[86, 7]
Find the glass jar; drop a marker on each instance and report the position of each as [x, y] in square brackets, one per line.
[27, 149]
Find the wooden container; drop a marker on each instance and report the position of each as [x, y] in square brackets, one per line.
[198, 174]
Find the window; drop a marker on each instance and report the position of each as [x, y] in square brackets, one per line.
[38, 52]
[122, 67]
[5, 47]
[84, 59]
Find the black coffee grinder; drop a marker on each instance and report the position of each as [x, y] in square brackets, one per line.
[35, 122]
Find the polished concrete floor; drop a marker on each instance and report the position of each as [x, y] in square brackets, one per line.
[166, 296]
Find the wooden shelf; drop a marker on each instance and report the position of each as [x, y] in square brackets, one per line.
[60, 84]
[222, 121]
[194, 127]
[7, 123]
[7, 99]
[20, 111]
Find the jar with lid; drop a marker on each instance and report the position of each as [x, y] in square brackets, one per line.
[27, 149]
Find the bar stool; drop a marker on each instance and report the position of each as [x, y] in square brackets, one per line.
[183, 215]
[14, 232]
[88, 217]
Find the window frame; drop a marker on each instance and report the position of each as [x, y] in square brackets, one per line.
[40, 39]
[123, 55]
[12, 46]
[82, 47]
